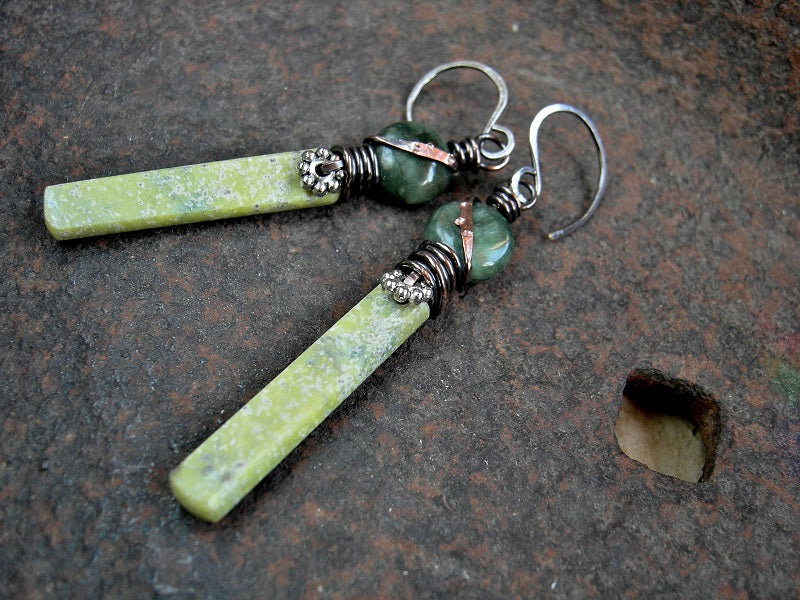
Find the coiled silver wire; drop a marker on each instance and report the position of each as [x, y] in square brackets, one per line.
[467, 153]
[505, 201]
[440, 267]
[361, 167]
[362, 170]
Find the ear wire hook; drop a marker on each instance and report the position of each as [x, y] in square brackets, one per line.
[491, 160]
[535, 190]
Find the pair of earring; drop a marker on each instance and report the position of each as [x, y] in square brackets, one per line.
[465, 241]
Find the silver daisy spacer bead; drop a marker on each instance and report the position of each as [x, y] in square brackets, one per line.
[315, 172]
[389, 283]
[401, 294]
[308, 181]
[417, 296]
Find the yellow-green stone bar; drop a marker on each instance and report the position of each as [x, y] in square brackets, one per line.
[204, 192]
[218, 474]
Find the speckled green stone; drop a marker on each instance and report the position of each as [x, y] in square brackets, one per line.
[213, 478]
[491, 246]
[204, 192]
[407, 178]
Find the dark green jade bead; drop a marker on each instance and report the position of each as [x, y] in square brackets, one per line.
[492, 243]
[407, 178]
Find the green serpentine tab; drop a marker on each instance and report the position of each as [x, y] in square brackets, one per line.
[204, 192]
[217, 475]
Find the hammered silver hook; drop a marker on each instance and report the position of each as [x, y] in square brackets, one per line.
[536, 172]
[492, 127]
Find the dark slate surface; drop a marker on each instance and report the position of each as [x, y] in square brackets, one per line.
[480, 460]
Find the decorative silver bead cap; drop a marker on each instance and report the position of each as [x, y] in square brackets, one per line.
[396, 283]
[321, 171]
[429, 274]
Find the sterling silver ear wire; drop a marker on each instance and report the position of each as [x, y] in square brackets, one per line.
[525, 186]
[474, 150]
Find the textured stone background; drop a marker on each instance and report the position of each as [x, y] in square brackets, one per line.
[480, 460]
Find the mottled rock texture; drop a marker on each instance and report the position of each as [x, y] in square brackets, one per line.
[479, 460]
[226, 466]
[237, 187]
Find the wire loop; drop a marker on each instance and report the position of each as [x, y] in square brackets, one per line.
[490, 159]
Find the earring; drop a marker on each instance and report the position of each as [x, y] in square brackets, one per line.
[406, 161]
[467, 241]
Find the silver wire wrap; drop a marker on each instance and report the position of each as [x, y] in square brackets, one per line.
[361, 168]
[515, 195]
[472, 155]
[345, 170]
[503, 199]
[433, 270]
[467, 154]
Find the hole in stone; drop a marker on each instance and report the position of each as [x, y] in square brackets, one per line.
[670, 425]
